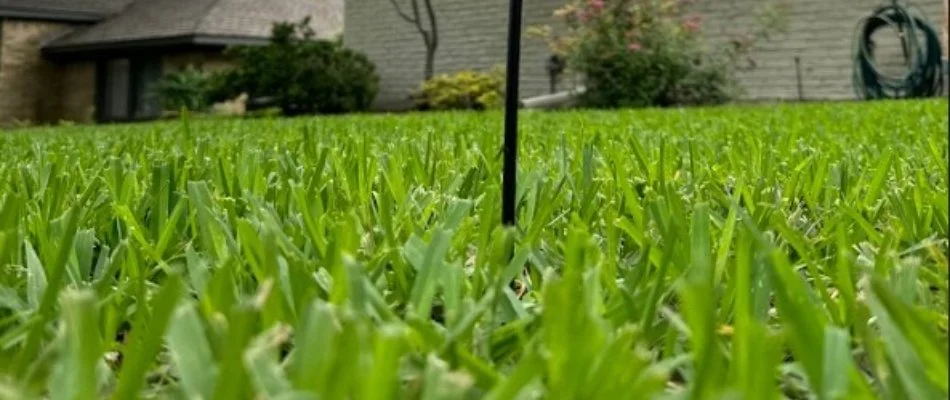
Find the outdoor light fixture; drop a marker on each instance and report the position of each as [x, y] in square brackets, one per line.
[509, 176]
[555, 67]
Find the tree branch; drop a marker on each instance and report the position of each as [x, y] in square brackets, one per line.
[403, 14]
[426, 36]
[415, 12]
[433, 28]
[430, 37]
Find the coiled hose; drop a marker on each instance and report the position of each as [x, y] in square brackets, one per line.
[922, 51]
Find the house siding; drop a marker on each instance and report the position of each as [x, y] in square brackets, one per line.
[820, 33]
[29, 85]
[35, 90]
[473, 35]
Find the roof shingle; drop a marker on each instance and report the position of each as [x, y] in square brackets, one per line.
[160, 19]
[101, 8]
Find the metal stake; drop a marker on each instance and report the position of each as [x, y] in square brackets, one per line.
[509, 176]
[798, 78]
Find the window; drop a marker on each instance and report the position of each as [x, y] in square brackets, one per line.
[116, 90]
[124, 88]
[147, 105]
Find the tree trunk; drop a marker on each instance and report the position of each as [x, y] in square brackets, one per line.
[432, 44]
[430, 37]
[430, 63]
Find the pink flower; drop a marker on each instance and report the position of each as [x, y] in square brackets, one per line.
[691, 26]
[581, 16]
[634, 47]
[692, 23]
[596, 4]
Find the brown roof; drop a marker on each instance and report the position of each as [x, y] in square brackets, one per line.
[202, 20]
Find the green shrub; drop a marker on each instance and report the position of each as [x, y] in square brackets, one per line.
[302, 74]
[224, 85]
[633, 53]
[187, 88]
[473, 90]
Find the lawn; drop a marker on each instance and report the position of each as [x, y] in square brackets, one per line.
[725, 253]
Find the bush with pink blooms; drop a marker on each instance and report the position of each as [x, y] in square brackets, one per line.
[635, 53]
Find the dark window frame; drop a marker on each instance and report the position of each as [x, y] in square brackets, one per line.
[137, 66]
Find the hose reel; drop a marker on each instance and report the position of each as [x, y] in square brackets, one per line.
[921, 49]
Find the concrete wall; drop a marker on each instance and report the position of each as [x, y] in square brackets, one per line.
[473, 35]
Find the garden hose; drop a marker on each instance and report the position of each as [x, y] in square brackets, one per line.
[922, 52]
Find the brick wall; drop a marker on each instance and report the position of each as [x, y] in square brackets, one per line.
[29, 86]
[473, 35]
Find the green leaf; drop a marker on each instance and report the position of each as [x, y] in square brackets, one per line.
[55, 275]
[836, 360]
[83, 347]
[241, 325]
[262, 364]
[191, 353]
[146, 339]
[914, 349]
[317, 335]
[35, 276]
[424, 288]
[877, 182]
[382, 381]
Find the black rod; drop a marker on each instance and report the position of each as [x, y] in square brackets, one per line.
[798, 78]
[509, 185]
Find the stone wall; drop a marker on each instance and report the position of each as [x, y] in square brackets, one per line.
[29, 85]
[473, 35]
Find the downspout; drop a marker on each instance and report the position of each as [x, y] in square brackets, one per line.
[946, 29]
[946, 46]
[1, 43]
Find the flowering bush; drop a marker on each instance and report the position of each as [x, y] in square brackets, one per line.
[644, 53]
[471, 90]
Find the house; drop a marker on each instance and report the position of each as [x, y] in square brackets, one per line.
[94, 60]
[473, 34]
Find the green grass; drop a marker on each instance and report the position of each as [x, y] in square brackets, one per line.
[733, 253]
